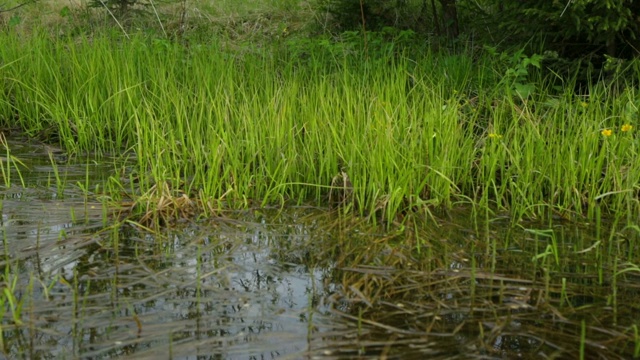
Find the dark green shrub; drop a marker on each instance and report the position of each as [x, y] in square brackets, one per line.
[349, 14]
[576, 28]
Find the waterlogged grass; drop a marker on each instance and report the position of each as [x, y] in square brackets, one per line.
[305, 283]
[301, 281]
[10, 164]
[383, 131]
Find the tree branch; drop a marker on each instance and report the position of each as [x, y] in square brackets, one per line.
[18, 6]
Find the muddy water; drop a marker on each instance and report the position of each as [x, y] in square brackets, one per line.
[302, 283]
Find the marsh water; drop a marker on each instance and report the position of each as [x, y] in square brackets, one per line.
[301, 282]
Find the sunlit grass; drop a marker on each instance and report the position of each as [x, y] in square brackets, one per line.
[10, 164]
[402, 132]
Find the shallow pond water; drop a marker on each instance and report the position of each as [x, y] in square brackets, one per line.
[302, 282]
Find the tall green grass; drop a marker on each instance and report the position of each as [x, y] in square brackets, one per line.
[411, 130]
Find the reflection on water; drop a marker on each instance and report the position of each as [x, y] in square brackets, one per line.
[202, 290]
[303, 284]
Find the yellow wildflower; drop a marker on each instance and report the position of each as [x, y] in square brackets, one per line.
[606, 132]
[495, 136]
[626, 127]
[584, 104]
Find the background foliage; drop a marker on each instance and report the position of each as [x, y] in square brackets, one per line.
[574, 29]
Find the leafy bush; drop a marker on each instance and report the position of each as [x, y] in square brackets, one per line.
[574, 28]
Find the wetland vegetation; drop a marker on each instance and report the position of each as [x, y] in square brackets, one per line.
[242, 180]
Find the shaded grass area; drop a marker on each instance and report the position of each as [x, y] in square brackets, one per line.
[384, 130]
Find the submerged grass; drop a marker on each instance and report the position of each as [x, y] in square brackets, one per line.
[248, 281]
[386, 135]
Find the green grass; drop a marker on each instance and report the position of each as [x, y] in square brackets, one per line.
[409, 128]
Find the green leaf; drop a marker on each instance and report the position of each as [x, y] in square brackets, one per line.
[524, 90]
[15, 20]
[536, 59]
[65, 11]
